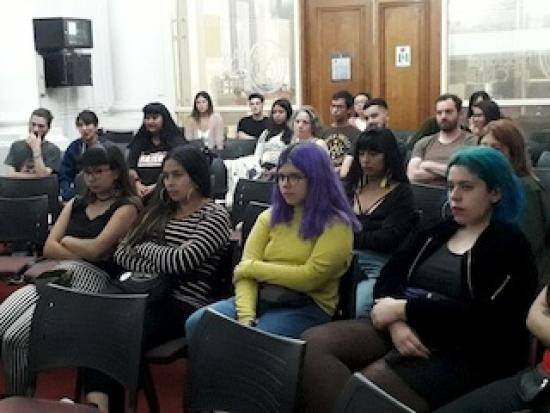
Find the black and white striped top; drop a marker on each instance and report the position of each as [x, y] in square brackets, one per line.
[194, 247]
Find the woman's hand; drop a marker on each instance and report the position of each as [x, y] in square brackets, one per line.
[386, 311]
[406, 341]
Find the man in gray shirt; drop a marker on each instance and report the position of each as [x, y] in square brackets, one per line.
[34, 156]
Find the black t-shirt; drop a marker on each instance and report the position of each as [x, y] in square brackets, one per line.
[147, 159]
[251, 126]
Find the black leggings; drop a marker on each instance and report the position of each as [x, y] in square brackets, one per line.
[335, 350]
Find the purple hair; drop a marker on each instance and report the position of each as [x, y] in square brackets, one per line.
[325, 201]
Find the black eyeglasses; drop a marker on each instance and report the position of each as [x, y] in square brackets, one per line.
[290, 178]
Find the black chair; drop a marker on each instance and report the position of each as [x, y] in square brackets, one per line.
[431, 203]
[347, 291]
[544, 175]
[544, 160]
[362, 395]
[249, 190]
[241, 369]
[96, 331]
[236, 148]
[121, 139]
[218, 176]
[24, 223]
[251, 213]
[20, 188]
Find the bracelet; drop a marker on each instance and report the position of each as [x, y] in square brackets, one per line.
[37, 156]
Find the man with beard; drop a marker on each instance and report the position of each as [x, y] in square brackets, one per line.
[430, 154]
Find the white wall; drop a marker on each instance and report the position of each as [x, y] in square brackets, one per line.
[132, 65]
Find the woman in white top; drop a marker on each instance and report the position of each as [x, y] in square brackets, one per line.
[276, 137]
[358, 120]
[204, 124]
[307, 126]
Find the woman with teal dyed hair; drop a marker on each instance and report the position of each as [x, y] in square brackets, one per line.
[450, 304]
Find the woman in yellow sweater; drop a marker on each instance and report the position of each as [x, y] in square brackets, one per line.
[288, 277]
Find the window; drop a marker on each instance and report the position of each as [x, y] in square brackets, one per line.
[500, 46]
[232, 48]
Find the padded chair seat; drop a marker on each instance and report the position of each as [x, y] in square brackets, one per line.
[28, 405]
[168, 351]
[13, 264]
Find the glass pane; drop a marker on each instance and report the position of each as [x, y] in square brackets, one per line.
[499, 46]
[236, 47]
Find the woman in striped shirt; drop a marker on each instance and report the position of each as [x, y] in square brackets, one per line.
[182, 234]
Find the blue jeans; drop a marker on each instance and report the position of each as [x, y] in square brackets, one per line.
[289, 322]
[370, 263]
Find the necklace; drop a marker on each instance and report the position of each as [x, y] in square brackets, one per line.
[111, 196]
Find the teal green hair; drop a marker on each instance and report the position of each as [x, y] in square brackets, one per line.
[497, 173]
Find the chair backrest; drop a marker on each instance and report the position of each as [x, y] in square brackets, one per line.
[241, 369]
[236, 148]
[78, 329]
[251, 213]
[544, 160]
[544, 175]
[361, 395]
[218, 177]
[347, 291]
[24, 221]
[248, 190]
[431, 203]
[20, 188]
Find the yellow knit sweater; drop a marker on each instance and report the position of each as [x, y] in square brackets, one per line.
[278, 255]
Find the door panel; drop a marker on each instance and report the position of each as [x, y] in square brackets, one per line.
[403, 87]
[332, 27]
[370, 30]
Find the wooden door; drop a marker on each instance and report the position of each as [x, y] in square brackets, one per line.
[372, 30]
[333, 28]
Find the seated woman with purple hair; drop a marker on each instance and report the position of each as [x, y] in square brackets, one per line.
[288, 277]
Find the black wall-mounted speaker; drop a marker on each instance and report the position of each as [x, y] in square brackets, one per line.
[62, 33]
[67, 68]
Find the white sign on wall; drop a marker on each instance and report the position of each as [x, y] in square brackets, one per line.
[402, 56]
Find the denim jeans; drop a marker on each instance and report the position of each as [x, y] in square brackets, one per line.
[289, 322]
[370, 263]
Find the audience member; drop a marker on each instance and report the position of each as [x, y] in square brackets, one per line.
[430, 125]
[88, 228]
[482, 113]
[377, 115]
[430, 154]
[34, 156]
[276, 137]
[307, 127]
[358, 118]
[384, 205]
[341, 136]
[204, 124]
[251, 127]
[291, 249]
[87, 124]
[505, 136]
[476, 97]
[180, 237]
[525, 391]
[450, 304]
[154, 139]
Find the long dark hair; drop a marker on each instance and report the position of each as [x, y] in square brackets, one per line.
[275, 129]
[377, 140]
[108, 154]
[170, 135]
[160, 209]
[195, 112]
[477, 95]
